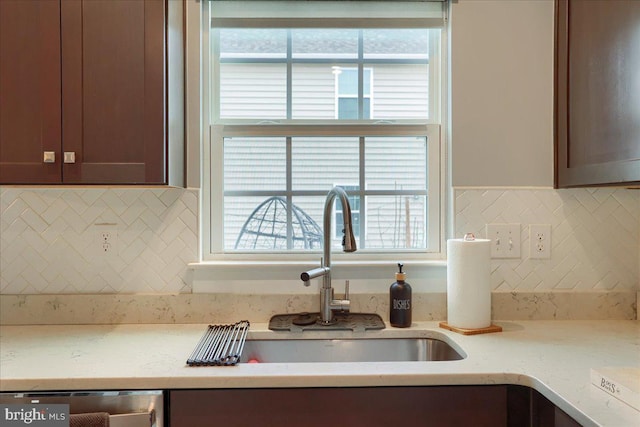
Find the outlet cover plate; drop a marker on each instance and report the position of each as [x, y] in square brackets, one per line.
[540, 241]
[105, 240]
[505, 240]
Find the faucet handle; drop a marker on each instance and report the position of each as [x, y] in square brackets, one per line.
[346, 289]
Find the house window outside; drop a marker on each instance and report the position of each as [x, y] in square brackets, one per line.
[347, 93]
[291, 115]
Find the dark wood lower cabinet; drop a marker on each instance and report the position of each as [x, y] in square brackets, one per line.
[528, 408]
[442, 406]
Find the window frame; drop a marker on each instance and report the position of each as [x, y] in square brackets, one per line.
[214, 131]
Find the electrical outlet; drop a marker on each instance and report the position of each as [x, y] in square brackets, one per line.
[540, 241]
[505, 240]
[106, 238]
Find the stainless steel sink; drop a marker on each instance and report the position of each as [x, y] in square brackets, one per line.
[348, 350]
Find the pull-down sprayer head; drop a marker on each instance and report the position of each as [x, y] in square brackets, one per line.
[349, 239]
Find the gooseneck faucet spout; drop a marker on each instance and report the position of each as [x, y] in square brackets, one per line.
[327, 302]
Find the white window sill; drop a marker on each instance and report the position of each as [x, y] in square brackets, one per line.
[268, 277]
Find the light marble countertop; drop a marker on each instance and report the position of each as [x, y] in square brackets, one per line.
[553, 357]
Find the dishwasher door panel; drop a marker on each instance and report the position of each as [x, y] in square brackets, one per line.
[139, 408]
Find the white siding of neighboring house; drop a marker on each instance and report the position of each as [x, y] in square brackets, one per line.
[319, 163]
[259, 91]
[249, 91]
[400, 91]
[313, 94]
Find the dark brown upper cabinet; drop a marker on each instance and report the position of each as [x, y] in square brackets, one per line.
[30, 89]
[83, 86]
[597, 93]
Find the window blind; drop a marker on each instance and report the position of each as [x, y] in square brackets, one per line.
[328, 13]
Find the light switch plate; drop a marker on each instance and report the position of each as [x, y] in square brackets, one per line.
[505, 240]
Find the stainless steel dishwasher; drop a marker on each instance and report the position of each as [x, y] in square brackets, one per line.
[139, 408]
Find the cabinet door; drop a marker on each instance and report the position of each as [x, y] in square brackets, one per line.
[441, 406]
[597, 92]
[29, 91]
[113, 91]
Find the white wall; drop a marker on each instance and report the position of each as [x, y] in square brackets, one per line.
[502, 92]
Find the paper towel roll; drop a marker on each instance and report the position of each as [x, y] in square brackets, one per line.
[468, 283]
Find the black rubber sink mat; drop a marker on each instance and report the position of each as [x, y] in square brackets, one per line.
[297, 322]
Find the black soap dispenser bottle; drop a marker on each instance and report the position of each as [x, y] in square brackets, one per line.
[400, 301]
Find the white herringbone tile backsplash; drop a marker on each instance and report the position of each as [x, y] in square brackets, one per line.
[49, 240]
[595, 236]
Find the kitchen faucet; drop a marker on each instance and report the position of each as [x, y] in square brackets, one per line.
[327, 303]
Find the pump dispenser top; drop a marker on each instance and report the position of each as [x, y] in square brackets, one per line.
[400, 276]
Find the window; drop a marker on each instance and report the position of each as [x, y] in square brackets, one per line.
[347, 98]
[291, 104]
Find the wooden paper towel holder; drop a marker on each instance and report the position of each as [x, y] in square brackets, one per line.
[474, 331]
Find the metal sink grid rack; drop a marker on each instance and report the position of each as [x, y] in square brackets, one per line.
[221, 345]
